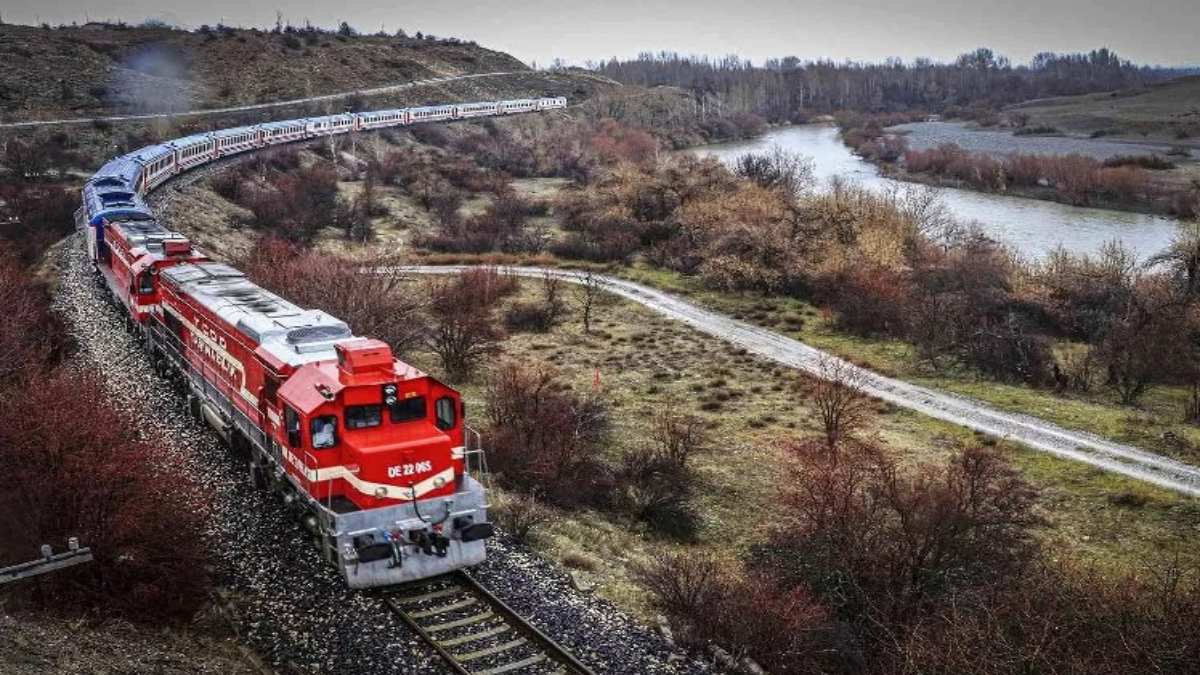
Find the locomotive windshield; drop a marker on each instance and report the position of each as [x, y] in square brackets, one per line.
[407, 410]
[363, 416]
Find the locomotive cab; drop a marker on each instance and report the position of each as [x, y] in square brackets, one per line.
[369, 433]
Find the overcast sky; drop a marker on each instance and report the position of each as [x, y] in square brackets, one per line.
[1147, 31]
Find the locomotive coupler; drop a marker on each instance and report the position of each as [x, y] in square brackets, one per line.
[397, 557]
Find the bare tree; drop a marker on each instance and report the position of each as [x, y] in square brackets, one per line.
[552, 287]
[680, 435]
[839, 398]
[462, 329]
[587, 297]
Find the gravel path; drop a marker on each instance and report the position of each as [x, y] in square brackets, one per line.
[1036, 433]
[375, 91]
[292, 608]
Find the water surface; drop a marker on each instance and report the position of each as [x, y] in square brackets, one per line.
[1031, 226]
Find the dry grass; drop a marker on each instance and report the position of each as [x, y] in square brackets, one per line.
[137, 70]
[647, 363]
[1160, 111]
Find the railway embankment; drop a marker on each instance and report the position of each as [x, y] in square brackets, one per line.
[289, 606]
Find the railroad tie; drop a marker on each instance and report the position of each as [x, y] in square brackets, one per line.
[437, 628]
[472, 637]
[424, 614]
[488, 651]
[508, 668]
[417, 599]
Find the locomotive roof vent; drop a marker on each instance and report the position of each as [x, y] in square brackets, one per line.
[311, 334]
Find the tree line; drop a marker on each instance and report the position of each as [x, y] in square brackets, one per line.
[789, 89]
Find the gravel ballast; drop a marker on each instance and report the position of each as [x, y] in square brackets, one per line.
[290, 607]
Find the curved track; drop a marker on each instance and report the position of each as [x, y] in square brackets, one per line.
[1036, 433]
[374, 91]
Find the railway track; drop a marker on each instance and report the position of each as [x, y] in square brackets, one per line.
[476, 633]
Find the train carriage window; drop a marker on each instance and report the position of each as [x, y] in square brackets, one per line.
[444, 412]
[363, 416]
[291, 422]
[324, 432]
[408, 409]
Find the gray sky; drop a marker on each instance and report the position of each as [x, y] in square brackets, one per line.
[1150, 31]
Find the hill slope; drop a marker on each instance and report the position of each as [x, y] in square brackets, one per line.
[1169, 110]
[112, 70]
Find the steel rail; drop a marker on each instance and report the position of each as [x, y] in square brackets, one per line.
[492, 608]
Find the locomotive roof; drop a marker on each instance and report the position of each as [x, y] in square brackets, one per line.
[289, 333]
[149, 235]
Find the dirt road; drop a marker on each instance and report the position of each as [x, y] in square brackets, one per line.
[1036, 433]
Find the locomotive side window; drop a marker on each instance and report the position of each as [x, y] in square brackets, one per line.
[363, 416]
[408, 409]
[292, 423]
[270, 388]
[324, 432]
[444, 411]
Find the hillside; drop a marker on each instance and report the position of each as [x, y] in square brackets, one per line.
[1167, 111]
[98, 69]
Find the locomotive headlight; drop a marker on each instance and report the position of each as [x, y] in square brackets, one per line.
[389, 390]
[390, 401]
[439, 482]
[380, 492]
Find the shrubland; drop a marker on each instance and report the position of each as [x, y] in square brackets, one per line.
[81, 468]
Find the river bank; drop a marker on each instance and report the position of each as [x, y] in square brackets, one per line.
[1098, 172]
[1030, 226]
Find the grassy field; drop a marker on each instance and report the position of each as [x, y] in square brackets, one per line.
[646, 363]
[1169, 111]
[1155, 424]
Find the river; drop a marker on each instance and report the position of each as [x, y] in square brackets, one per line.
[1031, 226]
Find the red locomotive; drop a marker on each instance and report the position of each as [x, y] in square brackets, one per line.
[371, 453]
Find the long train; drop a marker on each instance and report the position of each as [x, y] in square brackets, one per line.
[372, 455]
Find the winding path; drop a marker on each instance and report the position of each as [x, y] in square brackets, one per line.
[973, 414]
[388, 89]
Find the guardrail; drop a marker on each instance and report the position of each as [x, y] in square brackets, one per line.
[49, 562]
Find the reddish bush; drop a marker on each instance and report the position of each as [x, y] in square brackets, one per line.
[295, 205]
[867, 299]
[614, 142]
[43, 214]
[33, 336]
[379, 304]
[712, 602]
[501, 227]
[462, 329]
[79, 468]
[879, 542]
[544, 438]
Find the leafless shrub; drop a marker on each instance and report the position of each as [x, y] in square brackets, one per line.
[543, 437]
[838, 395]
[589, 295]
[462, 328]
[371, 299]
[520, 514]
